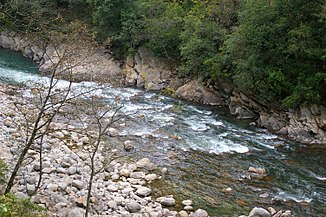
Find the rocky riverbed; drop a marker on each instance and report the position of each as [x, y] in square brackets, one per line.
[122, 189]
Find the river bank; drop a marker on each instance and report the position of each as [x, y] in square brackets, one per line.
[122, 189]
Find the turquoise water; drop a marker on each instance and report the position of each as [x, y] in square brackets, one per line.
[15, 68]
[206, 150]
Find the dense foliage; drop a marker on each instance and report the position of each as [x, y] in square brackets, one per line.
[274, 50]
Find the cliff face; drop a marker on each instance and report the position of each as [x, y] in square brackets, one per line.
[306, 124]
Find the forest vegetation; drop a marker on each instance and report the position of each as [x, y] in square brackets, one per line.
[273, 50]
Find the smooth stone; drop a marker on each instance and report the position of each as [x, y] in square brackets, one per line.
[188, 208]
[112, 188]
[137, 175]
[143, 191]
[124, 172]
[76, 212]
[81, 201]
[166, 201]
[62, 185]
[30, 189]
[259, 212]
[113, 132]
[133, 207]
[150, 177]
[271, 210]
[48, 170]
[72, 170]
[199, 213]
[112, 204]
[142, 163]
[164, 170]
[257, 170]
[187, 202]
[78, 184]
[61, 170]
[183, 213]
[52, 187]
[287, 214]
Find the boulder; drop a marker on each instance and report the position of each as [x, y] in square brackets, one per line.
[259, 212]
[143, 191]
[133, 207]
[166, 201]
[197, 92]
[199, 213]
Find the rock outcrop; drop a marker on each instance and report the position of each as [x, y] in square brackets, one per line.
[144, 70]
[69, 61]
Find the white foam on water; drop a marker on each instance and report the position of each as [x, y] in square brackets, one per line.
[283, 196]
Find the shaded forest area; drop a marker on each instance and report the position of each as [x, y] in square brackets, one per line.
[274, 50]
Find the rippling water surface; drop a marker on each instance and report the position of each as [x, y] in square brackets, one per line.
[206, 151]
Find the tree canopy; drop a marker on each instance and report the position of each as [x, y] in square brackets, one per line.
[274, 50]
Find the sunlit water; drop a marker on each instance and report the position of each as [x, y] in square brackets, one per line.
[207, 151]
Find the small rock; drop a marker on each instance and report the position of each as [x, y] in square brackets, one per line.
[133, 207]
[115, 177]
[112, 188]
[124, 172]
[72, 170]
[52, 187]
[287, 214]
[199, 213]
[166, 201]
[112, 204]
[78, 184]
[76, 212]
[143, 163]
[278, 214]
[259, 212]
[113, 132]
[183, 213]
[61, 170]
[271, 210]
[62, 185]
[258, 170]
[188, 208]
[137, 175]
[81, 201]
[128, 145]
[150, 177]
[143, 191]
[227, 190]
[187, 202]
[48, 170]
[164, 170]
[21, 195]
[30, 189]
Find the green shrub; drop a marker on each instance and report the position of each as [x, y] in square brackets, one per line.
[11, 206]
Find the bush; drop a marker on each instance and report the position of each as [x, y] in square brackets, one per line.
[11, 206]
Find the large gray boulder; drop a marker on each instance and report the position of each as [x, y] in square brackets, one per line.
[196, 92]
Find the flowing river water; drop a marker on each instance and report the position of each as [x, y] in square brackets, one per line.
[206, 151]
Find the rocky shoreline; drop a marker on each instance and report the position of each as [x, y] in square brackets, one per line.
[306, 124]
[122, 189]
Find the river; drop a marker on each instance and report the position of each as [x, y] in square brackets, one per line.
[206, 151]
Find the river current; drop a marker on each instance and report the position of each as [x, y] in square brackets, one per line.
[206, 151]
